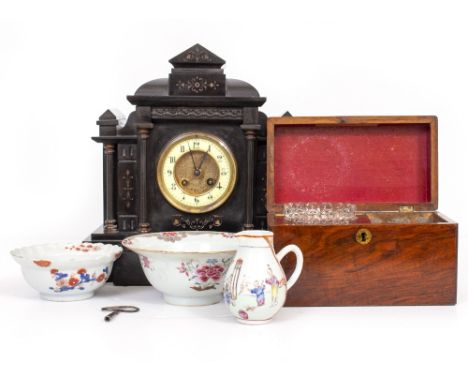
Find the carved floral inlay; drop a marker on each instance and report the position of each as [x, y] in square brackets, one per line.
[197, 55]
[197, 113]
[196, 223]
[128, 187]
[197, 85]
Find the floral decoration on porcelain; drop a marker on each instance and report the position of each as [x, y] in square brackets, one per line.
[204, 276]
[127, 242]
[170, 236]
[243, 315]
[84, 247]
[66, 282]
[146, 262]
[228, 235]
[42, 263]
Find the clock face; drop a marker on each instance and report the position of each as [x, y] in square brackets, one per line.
[196, 172]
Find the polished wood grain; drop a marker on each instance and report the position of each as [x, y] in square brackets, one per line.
[404, 264]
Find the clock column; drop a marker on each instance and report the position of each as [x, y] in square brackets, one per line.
[250, 127]
[144, 129]
[110, 223]
[108, 123]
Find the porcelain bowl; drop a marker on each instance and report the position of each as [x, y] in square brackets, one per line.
[67, 272]
[187, 267]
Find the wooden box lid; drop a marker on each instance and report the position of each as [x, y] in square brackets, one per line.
[378, 163]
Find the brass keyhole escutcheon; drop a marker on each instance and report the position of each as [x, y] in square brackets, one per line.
[363, 236]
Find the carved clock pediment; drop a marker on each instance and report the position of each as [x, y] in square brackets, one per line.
[197, 71]
[197, 55]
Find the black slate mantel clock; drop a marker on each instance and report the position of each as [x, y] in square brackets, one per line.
[190, 157]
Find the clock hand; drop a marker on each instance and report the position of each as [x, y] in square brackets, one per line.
[203, 159]
[196, 171]
[191, 154]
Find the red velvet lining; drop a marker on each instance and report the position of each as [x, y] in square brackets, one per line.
[358, 164]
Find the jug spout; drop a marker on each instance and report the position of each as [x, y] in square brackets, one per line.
[255, 238]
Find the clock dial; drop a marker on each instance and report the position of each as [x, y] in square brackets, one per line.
[192, 181]
[196, 172]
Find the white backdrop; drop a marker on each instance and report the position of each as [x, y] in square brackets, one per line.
[62, 64]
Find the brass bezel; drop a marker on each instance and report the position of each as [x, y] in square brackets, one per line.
[167, 194]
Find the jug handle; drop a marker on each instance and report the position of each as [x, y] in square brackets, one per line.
[299, 262]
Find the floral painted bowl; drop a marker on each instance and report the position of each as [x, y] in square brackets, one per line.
[67, 272]
[187, 267]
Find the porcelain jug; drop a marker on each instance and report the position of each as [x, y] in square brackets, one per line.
[255, 286]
